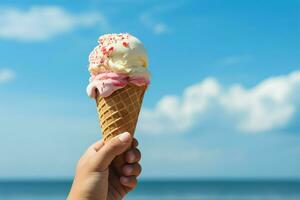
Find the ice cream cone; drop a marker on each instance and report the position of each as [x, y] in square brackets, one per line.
[119, 77]
[119, 113]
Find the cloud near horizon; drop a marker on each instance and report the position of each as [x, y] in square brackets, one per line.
[40, 23]
[269, 106]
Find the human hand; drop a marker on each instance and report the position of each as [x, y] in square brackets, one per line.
[95, 177]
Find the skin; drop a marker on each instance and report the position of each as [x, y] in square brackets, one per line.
[96, 179]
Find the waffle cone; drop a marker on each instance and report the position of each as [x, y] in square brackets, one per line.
[119, 113]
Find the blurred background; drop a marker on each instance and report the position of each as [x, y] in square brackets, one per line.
[221, 119]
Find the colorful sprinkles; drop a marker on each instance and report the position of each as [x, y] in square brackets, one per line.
[106, 46]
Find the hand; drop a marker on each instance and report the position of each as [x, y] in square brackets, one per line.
[95, 177]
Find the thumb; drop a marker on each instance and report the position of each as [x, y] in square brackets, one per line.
[111, 149]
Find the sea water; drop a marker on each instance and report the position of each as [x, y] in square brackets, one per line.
[163, 190]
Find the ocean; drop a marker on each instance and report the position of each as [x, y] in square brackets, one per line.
[163, 190]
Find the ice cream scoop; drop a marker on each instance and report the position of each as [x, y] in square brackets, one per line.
[106, 83]
[118, 59]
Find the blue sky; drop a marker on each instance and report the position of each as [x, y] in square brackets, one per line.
[223, 102]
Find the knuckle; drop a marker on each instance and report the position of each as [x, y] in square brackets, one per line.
[139, 169]
[112, 143]
[138, 152]
[112, 146]
[135, 142]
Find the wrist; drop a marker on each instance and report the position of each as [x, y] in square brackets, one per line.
[89, 186]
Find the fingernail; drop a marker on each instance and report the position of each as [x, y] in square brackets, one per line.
[124, 137]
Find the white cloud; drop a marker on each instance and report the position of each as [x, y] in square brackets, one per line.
[160, 28]
[268, 106]
[44, 22]
[6, 75]
[156, 26]
[151, 18]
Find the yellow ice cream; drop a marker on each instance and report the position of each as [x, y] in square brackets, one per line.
[119, 53]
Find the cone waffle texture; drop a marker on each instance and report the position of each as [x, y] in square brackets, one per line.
[119, 112]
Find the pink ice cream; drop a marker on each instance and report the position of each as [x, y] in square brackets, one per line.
[118, 60]
[107, 83]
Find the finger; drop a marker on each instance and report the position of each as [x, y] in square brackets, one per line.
[110, 150]
[133, 156]
[132, 170]
[128, 181]
[135, 143]
[94, 148]
[97, 145]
